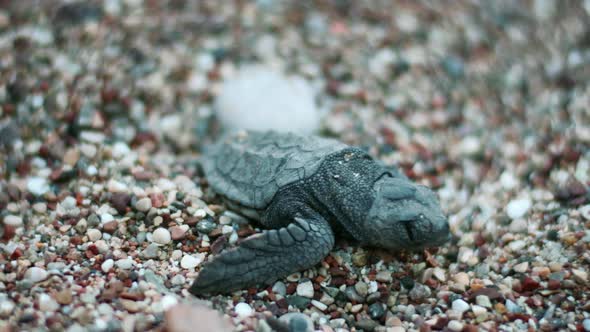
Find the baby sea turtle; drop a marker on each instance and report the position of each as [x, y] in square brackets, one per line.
[305, 190]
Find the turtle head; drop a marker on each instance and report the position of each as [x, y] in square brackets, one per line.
[406, 215]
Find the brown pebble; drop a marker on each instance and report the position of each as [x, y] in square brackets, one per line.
[215, 232]
[541, 271]
[553, 284]
[143, 176]
[218, 245]
[64, 297]
[191, 221]
[500, 308]
[158, 200]
[110, 227]
[282, 303]
[16, 254]
[529, 284]
[470, 328]
[132, 296]
[186, 317]
[338, 281]
[177, 233]
[120, 201]
[291, 287]
[337, 272]
[491, 293]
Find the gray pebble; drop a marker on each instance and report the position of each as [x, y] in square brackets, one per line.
[513, 307]
[361, 288]
[151, 251]
[376, 310]
[419, 292]
[206, 226]
[352, 295]
[279, 288]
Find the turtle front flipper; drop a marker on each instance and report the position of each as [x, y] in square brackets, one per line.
[266, 257]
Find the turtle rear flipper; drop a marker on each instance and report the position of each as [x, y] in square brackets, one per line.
[266, 257]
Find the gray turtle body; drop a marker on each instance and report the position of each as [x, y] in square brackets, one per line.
[306, 190]
[250, 168]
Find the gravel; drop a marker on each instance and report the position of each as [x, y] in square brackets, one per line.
[105, 107]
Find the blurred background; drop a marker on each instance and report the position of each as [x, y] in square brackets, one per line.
[485, 101]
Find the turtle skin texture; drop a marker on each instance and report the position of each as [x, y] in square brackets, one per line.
[305, 190]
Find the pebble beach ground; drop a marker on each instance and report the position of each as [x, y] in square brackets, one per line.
[106, 220]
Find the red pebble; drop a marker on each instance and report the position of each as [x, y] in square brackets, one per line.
[554, 284]
[529, 284]
[16, 254]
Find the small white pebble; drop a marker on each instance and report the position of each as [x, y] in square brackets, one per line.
[305, 289]
[176, 255]
[94, 234]
[508, 180]
[125, 263]
[470, 145]
[13, 220]
[580, 275]
[144, 204]
[40, 207]
[178, 279]
[478, 310]
[189, 262]
[516, 246]
[483, 300]
[518, 225]
[521, 268]
[439, 274]
[460, 306]
[168, 301]
[161, 236]
[226, 229]
[455, 325]
[46, 303]
[36, 274]
[102, 246]
[37, 186]
[115, 186]
[120, 150]
[518, 208]
[243, 310]
[319, 305]
[106, 217]
[6, 307]
[461, 278]
[233, 238]
[356, 308]
[107, 265]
